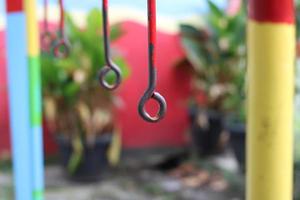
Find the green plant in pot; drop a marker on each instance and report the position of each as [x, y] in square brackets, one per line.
[77, 109]
[216, 53]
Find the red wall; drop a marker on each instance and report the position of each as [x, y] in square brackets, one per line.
[4, 127]
[173, 83]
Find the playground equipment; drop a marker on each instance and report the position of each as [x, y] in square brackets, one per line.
[61, 47]
[271, 55]
[25, 98]
[150, 92]
[110, 66]
[47, 37]
[61, 50]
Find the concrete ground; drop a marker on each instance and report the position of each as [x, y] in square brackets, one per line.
[119, 185]
[137, 179]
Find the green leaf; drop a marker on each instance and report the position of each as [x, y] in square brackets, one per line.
[217, 53]
[76, 156]
[86, 54]
[193, 53]
[215, 10]
[115, 32]
[189, 31]
[94, 21]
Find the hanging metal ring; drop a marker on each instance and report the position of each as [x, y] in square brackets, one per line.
[110, 66]
[103, 74]
[162, 107]
[151, 94]
[61, 49]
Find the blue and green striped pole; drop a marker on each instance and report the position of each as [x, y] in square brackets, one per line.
[18, 81]
[25, 99]
[33, 53]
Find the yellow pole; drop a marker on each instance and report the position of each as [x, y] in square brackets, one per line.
[271, 55]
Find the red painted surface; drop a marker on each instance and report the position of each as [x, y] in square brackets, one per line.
[4, 118]
[173, 83]
[278, 11]
[152, 24]
[14, 5]
[105, 4]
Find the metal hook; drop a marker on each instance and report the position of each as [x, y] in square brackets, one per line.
[47, 37]
[110, 66]
[150, 92]
[61, 48]
[104, 72]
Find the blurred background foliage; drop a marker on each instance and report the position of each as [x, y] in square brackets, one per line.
[68, 77]
[76, 108]
[217, 54]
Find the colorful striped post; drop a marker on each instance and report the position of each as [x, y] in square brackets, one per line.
[36, 135]
[271, 56]
[19, 99]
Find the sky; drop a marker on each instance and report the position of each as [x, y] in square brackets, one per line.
[165, 7]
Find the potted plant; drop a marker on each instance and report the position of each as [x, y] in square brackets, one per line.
[216, 53]
[77, 109]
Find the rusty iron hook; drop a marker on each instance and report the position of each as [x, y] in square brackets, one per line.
[61, 48]
[47, 37]
[110, 66]
[150, 92]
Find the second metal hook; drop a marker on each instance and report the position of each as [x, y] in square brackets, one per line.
[47, 37]
[110, 66]
[61, 48]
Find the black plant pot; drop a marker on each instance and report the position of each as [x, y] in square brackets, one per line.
[206, 136]
[94, 159]
[238, 142]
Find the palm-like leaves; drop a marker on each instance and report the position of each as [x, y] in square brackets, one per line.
[217, 55]
[67, 78]
[75, 105]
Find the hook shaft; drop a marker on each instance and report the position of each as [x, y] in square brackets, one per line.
[46, 15]
[150, 92]
[110, 66]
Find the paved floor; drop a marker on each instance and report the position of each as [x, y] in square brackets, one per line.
[133, 181]
[121, 184]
